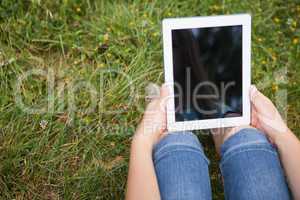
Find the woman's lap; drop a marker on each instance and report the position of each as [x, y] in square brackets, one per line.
[250, 167]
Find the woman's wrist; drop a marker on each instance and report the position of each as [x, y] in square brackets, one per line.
[142, 139]
[139, 146]
[282, 139]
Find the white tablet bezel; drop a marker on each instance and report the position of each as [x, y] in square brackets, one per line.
[202, 22]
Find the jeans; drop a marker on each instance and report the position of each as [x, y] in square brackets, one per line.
[249, 164]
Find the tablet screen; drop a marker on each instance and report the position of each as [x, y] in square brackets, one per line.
[207, 67]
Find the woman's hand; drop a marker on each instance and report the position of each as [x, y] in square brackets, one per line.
[265, 116]
[142, 181]
[154, 123]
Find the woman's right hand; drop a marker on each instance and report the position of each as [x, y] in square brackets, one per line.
[265, 116]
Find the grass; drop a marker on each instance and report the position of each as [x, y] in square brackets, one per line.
[66, 153]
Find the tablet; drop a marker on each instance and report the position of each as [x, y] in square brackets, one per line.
[207, 67]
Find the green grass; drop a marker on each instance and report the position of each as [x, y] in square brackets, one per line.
[68, 154]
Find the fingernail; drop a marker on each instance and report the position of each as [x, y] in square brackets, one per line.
[253, 87]
[166, 88]
[253, 90]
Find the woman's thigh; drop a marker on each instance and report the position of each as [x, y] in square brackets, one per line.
[251, 168]
[182, 168]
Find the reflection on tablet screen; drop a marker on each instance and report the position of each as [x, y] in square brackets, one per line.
[207, 72]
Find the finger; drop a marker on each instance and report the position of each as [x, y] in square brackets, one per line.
[254, 119]
[258, 100]
[253, 94]
[253, 115]
[164, 95]
[272, 124]
[164, 91]
[164, 125]
[152, 92]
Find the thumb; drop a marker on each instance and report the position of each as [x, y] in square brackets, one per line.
[164, 91]
[262, 104]
[257, 99]
[164, 95]
[273, 124]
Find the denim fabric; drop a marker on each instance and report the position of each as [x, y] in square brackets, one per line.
[250, 167]
[181, 168]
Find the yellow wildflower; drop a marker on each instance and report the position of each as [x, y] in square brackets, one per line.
[131, 23]
[155, 34]
[295, 40]
[87, 120]
[105, 37]
[101, 65]
[276, 20]
[216, 7]
[274, 87]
